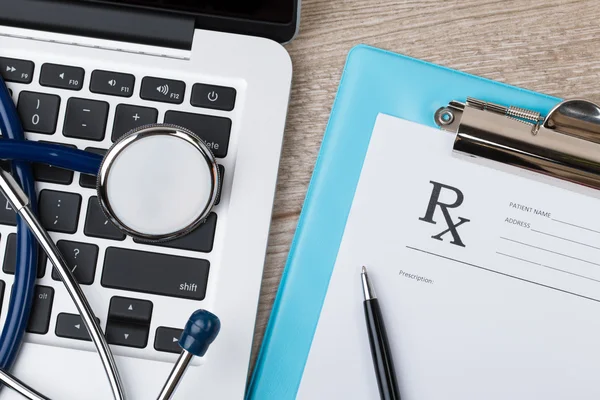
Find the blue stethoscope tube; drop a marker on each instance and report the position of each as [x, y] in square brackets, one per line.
[55, 155]
[21, 296]
[14, 147]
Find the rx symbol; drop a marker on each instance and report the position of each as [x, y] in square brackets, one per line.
[434, 203]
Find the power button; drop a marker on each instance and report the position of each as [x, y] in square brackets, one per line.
[215, 97]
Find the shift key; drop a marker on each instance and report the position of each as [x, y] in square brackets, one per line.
[155, 273]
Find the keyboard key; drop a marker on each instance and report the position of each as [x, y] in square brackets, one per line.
[62, 76]
[10, 258]
[48, 173]
[7, 215]
[97, 225]
[124, 334]
[14, 70]
[130, 310]
[214, 131]
[86, 119]
[222, 176]
[81, 259]
[163, 90]
[38, 112]
[89, 181]
[200, 239]
[71, 326]
[112, 83]
[59, 211]
[130, 117]
[215, 97]
[2, 287]
[155, 273]
[167, 339]
[39, 320]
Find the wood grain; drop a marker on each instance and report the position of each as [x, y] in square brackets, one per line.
[547, 46]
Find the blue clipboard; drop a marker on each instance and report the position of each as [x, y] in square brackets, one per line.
[374, 81]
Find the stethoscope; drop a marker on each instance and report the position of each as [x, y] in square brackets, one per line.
[144, 196]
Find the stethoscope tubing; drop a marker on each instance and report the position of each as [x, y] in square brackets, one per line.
[24, 203]
[56, 155]
[23, 289]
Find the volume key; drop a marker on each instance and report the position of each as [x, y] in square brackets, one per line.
[163, 90]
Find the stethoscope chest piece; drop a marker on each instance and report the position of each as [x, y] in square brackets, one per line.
[158, 182]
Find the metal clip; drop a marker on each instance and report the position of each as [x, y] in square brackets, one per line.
[565, 144]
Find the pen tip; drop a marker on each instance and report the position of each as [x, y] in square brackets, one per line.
[366, 284]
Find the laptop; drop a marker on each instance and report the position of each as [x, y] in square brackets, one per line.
[83, 73]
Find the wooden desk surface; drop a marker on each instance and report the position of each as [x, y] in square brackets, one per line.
[550, 46]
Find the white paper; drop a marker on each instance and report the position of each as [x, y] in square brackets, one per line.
[514, 314]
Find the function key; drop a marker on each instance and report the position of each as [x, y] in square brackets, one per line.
[112, 83]
[62, 76]
[215, 97]
[13, 70]
[167, 339]
[130, 117]
[86, 119]
[39, 320]
[214, 131]
[38, 112]
[163, 90]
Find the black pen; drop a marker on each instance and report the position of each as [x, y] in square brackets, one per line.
[380, 349]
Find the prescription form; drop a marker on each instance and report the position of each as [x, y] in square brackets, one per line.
[489, 282]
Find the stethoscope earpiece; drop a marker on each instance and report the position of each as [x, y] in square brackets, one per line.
[200, 331]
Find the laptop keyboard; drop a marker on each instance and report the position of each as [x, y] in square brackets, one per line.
[95, 108]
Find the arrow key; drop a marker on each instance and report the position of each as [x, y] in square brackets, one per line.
[71, 326]
[130, 310]
[13, 70]
[124, 334]
[167, 340]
